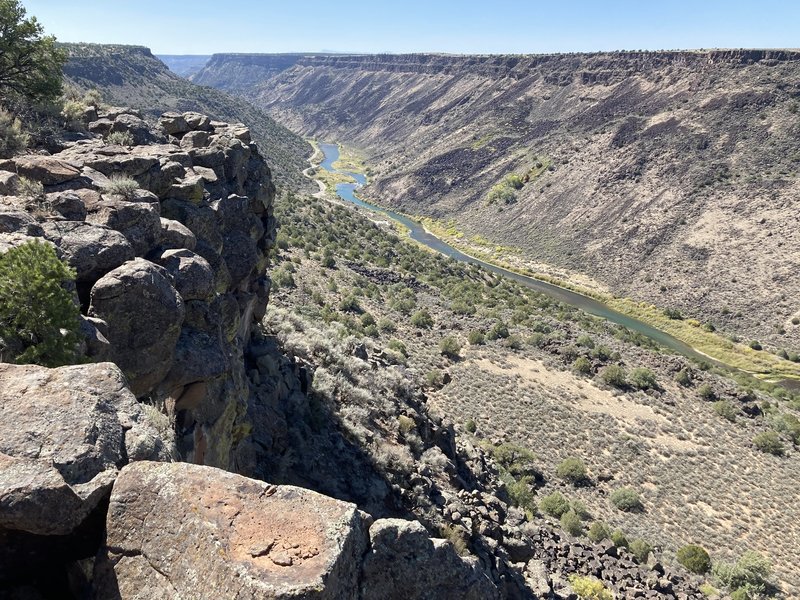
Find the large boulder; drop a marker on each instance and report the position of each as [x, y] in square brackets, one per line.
[403, 562]
[92, 250]
[144, 313]
[175, 234]
[188, 531]
[138, 128]
[18, 221]
[139, 221]
[63, 437]
[174, 124]
[191, 273]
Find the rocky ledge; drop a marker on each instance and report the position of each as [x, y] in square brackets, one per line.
[169, 238]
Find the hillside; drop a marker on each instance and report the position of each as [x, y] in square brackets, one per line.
[526, 378]
[669, 177]
[132, 76]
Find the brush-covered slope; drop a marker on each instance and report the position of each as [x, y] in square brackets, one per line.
[132, 76]
[669, 177]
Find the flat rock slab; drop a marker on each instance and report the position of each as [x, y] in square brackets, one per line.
[64, 434]
[189, 531]
[46, 169]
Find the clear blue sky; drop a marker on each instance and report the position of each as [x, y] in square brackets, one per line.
[490, 26]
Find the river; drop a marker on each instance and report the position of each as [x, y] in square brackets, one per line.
[347, 192]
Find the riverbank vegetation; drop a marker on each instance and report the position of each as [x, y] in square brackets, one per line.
[748, 358]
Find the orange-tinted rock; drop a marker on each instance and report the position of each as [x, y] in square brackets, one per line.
[188, 531]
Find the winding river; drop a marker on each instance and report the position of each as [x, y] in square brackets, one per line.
[347, 192]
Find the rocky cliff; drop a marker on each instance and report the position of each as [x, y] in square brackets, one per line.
[666, 176]
[132, 76]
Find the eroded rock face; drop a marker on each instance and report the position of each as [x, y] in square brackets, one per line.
[403, 562]
[64, 434]
[186, 531]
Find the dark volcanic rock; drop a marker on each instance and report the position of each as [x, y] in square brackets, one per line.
[142, 346]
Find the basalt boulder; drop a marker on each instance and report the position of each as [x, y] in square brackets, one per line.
[188, 531]
[144, 313]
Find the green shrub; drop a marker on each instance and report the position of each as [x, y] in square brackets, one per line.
[461, 307]
[756, 345]
[640, 549]
[579, 508]
[750, 573]
[476, 338]
[282, 278]
[39, 320]
[788, 425]
[72, 111]
[643, 379]
[120, 185]
[422, 319]
[673, 313]
[619, 539]
[706, 392]
[740, 594]
[520, 491]
[470, 426]
[589, 588]
[582, 365]
[694, 558]
[93, 97]
[349, 304]
[725, 409]
[599, 531]
[328, 262]
[449, 347]
[515, 459]
[120, 138]
[571, 523]
[573, 470]
[386, 325]
[626, 499]
[769, 442]
[614, 375]
[405, 424]
[12, 138]
[498, 331]
[554, 505]
[398, 346]
[502, 194]
[585, 340]
[433, 378]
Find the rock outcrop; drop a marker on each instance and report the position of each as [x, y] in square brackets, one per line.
[403, 562]
[185, 531]
[64, 436]
[168, 238]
